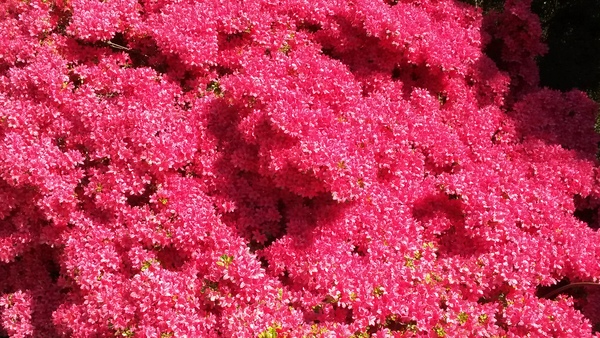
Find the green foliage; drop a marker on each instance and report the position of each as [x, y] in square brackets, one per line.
[225, 261]
[215, 87]
[270, 332]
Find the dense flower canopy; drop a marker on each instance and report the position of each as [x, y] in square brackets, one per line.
[323, 168]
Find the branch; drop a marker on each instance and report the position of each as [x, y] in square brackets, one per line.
[569, 286]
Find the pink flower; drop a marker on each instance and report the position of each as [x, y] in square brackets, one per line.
[261, 169]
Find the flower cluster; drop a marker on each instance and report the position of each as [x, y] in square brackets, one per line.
[328, 168]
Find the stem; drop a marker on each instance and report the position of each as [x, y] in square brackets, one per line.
[569, 286]
[117, 46]
[114, 45]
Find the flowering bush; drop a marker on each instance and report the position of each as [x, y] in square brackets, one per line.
[334, 168]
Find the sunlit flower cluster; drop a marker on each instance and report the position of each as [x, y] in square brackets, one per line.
[324, 168]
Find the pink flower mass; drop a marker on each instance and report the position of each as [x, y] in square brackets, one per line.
[294, 168]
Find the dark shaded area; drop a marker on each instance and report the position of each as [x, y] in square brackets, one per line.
[171, 258]
[572, 32]
[144, 198]
[578, 291]
[494, 51]
[433, 206]
[359, 250]
[544, 291]
[394, 323]
[418, 76]
[327, 311]
[36, 272]
[586, 210]
[571, 29]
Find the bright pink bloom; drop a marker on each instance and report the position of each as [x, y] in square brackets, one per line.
[291, 168]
